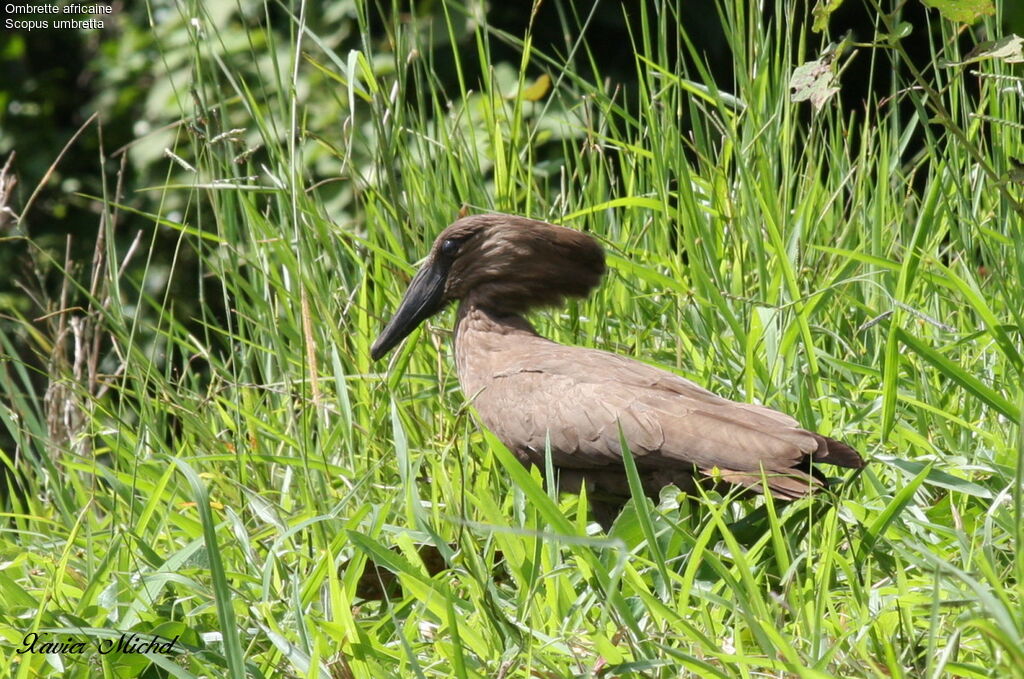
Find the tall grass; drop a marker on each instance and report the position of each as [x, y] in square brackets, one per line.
[226, 477]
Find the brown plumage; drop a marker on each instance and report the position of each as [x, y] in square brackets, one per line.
[531, 391]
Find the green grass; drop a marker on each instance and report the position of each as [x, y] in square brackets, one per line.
[226, 475]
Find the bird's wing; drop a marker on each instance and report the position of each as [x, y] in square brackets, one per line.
[578, 399]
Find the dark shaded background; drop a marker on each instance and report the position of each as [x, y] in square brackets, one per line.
[54, 80]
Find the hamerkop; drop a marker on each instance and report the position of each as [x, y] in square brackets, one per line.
[533, 393]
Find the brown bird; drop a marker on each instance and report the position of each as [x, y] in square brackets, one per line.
[533, 393]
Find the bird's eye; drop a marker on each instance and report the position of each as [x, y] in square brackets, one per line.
[450, 247]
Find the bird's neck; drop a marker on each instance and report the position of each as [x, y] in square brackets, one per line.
[486, 341]
[474, 317]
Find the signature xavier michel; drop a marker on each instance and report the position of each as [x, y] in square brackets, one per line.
[126, 643]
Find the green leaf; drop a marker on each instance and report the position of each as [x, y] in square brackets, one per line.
[643, 513]
[937, 478]
[538, 89]
[962, 11]
[891, 511]
[823, 9]
[957, 373]
[222, 592]
[535, 494]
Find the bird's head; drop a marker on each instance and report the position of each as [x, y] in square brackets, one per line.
[504, 263]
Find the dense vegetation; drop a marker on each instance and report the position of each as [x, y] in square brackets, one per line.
[197, 445]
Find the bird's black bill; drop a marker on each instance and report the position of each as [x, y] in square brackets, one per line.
[422, 300]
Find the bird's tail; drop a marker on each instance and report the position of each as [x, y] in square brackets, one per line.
[838, 453]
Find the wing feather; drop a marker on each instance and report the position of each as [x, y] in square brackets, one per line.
[580, 398]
